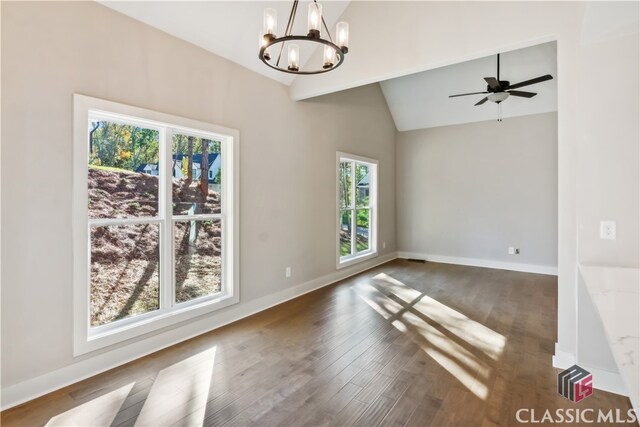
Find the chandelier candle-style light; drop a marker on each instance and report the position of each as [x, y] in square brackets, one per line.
[272, 46]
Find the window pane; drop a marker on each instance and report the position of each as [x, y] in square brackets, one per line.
[344, 182]
[362, 185]
[345, 233]
[124, 271]
[197, 175]
[198, 262]
[362, 230]
[123, 171]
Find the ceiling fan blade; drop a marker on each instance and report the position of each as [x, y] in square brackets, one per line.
[482, 101]
[522, 94]
[492, 82]
[465, 94]
[531, 82]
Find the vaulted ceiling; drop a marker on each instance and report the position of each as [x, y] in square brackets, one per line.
[421, 100]
[416, 75]
[230, 29]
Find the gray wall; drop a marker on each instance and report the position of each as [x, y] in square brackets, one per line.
[473, 190]
[608, 174]
[287, 163]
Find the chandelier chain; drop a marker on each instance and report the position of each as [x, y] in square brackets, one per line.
[292, 17]
[325, 25]
[289, 30]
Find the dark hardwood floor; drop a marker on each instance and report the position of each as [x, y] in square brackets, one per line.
[402, 344]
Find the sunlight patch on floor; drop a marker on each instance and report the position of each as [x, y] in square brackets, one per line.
[399, 289]
[386, 308]
[100, 411]
[458, 361]
[447, 336]
[180, 392]
[488, 341]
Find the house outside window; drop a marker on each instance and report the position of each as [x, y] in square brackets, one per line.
[155, 244]
[357, 209]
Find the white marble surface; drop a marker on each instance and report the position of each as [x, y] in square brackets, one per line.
[615, 293]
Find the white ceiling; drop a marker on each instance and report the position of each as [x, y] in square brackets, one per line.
[230, 29]
[422, 100]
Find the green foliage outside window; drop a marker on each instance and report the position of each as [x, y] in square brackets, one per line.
[117, 146]
[114, 146]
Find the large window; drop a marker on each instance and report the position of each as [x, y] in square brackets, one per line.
[357, 179]
[154, 206]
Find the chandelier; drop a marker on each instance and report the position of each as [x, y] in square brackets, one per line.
[272, 46]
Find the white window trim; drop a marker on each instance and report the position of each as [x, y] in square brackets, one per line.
[342, 262]
[88, 339]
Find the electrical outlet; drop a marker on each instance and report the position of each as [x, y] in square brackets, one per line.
[517, 251]
[384, 245]
[512, 250]
[287, 272]
[608, 230]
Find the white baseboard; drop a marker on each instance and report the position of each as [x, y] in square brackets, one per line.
[602, 379]
[606, 380]
[35, 387]
[563, 359]
[486, 263]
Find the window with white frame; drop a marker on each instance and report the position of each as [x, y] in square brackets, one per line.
[155, 238]
[357, 211]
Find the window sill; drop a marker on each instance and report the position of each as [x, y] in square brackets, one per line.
[146, 323]
[349, 261]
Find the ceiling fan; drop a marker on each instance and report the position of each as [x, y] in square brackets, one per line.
[499, 90]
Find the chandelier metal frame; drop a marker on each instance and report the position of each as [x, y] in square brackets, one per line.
[314, 36]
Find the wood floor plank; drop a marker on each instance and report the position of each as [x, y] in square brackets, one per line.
[425, 412]
[403, 344]
[324, 413]
[249, 391]
[318, 397]
[375, 413]
[349, 414]
[269, 400]
[398, 386]
[374, 389]
[406, 405]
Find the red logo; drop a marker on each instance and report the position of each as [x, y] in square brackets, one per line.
[575, 383]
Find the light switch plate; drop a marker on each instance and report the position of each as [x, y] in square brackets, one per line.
[608, 230]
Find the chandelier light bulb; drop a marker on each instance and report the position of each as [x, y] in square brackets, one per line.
[329, 57]
[314, 19]
[342, 32]
[270, 22]
[294, 57]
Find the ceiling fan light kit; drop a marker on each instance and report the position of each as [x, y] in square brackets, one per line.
[498, 97]
[499, 90]
[272, 46]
